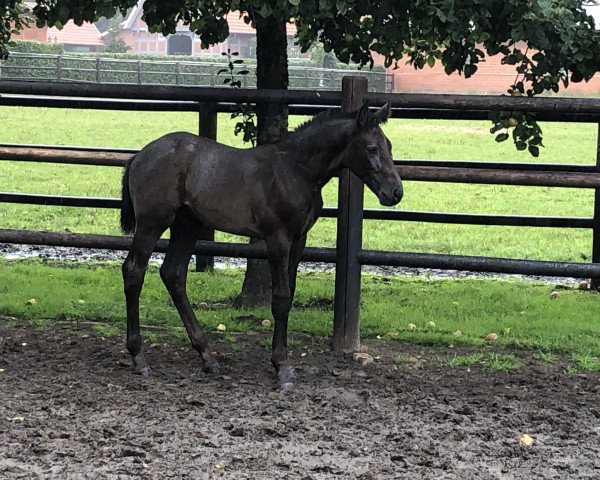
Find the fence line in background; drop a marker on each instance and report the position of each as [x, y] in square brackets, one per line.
[99, 69]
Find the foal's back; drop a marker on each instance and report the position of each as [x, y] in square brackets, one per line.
[225, 187]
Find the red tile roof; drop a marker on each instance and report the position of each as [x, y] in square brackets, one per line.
[71, 34]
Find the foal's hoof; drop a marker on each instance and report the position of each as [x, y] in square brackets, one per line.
[286, 375]
[287, 387]
[141, 366]
[144, 371]
[211, 367]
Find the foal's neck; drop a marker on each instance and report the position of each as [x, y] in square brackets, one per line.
[318, 148]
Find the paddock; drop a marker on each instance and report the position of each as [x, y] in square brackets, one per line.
[72, 409]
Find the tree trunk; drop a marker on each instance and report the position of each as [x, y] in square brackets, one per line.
[271, 72]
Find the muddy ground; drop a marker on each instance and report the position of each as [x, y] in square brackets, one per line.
[71, 408]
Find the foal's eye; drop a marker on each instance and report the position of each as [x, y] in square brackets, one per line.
[372, 150]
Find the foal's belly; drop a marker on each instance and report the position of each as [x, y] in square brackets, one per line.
[233, 217]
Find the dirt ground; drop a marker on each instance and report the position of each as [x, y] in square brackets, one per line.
[71, 408]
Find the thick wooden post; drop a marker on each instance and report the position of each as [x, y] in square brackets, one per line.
[346, 325]
[596, 228]
[208, 129]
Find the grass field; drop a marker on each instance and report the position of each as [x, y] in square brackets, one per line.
[456, 140]
[521, 313]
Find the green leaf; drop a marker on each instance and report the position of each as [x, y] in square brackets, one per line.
[265, 10]
[502, 137]
[295, 3]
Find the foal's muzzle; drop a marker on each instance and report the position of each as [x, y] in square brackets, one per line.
[392, 196]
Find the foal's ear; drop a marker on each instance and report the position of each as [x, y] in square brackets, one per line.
[363, 115]
[383, 113]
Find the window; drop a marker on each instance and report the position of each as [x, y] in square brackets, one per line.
[179, 44]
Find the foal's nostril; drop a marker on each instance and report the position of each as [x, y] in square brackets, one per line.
[398, 193]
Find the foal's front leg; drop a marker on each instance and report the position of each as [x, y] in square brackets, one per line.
[281, 301]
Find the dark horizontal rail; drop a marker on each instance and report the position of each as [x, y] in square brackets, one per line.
[112, 242]
[500, 177]
[480, 264]
[27, 152]
[446, 114]
[225, 107]
[58, 200]
[549, 105]
[329, 212]
[105, 158]
[366, 257]
[170, 92]
[15, 146]
[577, 179]
[471, 218]
[566, 105]
[228, 107]
[136, 105]
[96, 104]
[542, 167]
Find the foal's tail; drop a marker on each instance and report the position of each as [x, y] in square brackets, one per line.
[127, 213]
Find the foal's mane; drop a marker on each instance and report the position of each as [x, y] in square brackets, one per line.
[324, 117]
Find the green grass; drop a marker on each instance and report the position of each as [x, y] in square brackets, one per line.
[466, 360]
[586, 362]
[545, 356]
[489, 360]
[452, 140]
[521, 313]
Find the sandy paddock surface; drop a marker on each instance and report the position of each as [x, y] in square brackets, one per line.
[71, 408]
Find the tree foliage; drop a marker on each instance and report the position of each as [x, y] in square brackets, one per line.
[550, 43]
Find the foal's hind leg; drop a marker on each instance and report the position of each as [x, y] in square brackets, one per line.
[184, 232]
[281, 302]
[134, 270]
[296, 251]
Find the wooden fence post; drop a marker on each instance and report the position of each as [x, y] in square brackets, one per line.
[346, 324]
[208, 129]
[212, 75]
[595, 284]
[58, 68]
[97, 69]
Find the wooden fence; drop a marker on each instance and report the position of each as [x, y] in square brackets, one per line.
[348, 254]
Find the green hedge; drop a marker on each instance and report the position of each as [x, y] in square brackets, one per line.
[148, 69]
[31, 46]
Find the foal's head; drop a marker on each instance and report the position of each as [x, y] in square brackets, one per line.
[368, 155]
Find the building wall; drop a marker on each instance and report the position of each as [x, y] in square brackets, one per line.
[33, 33]
[491, 78]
